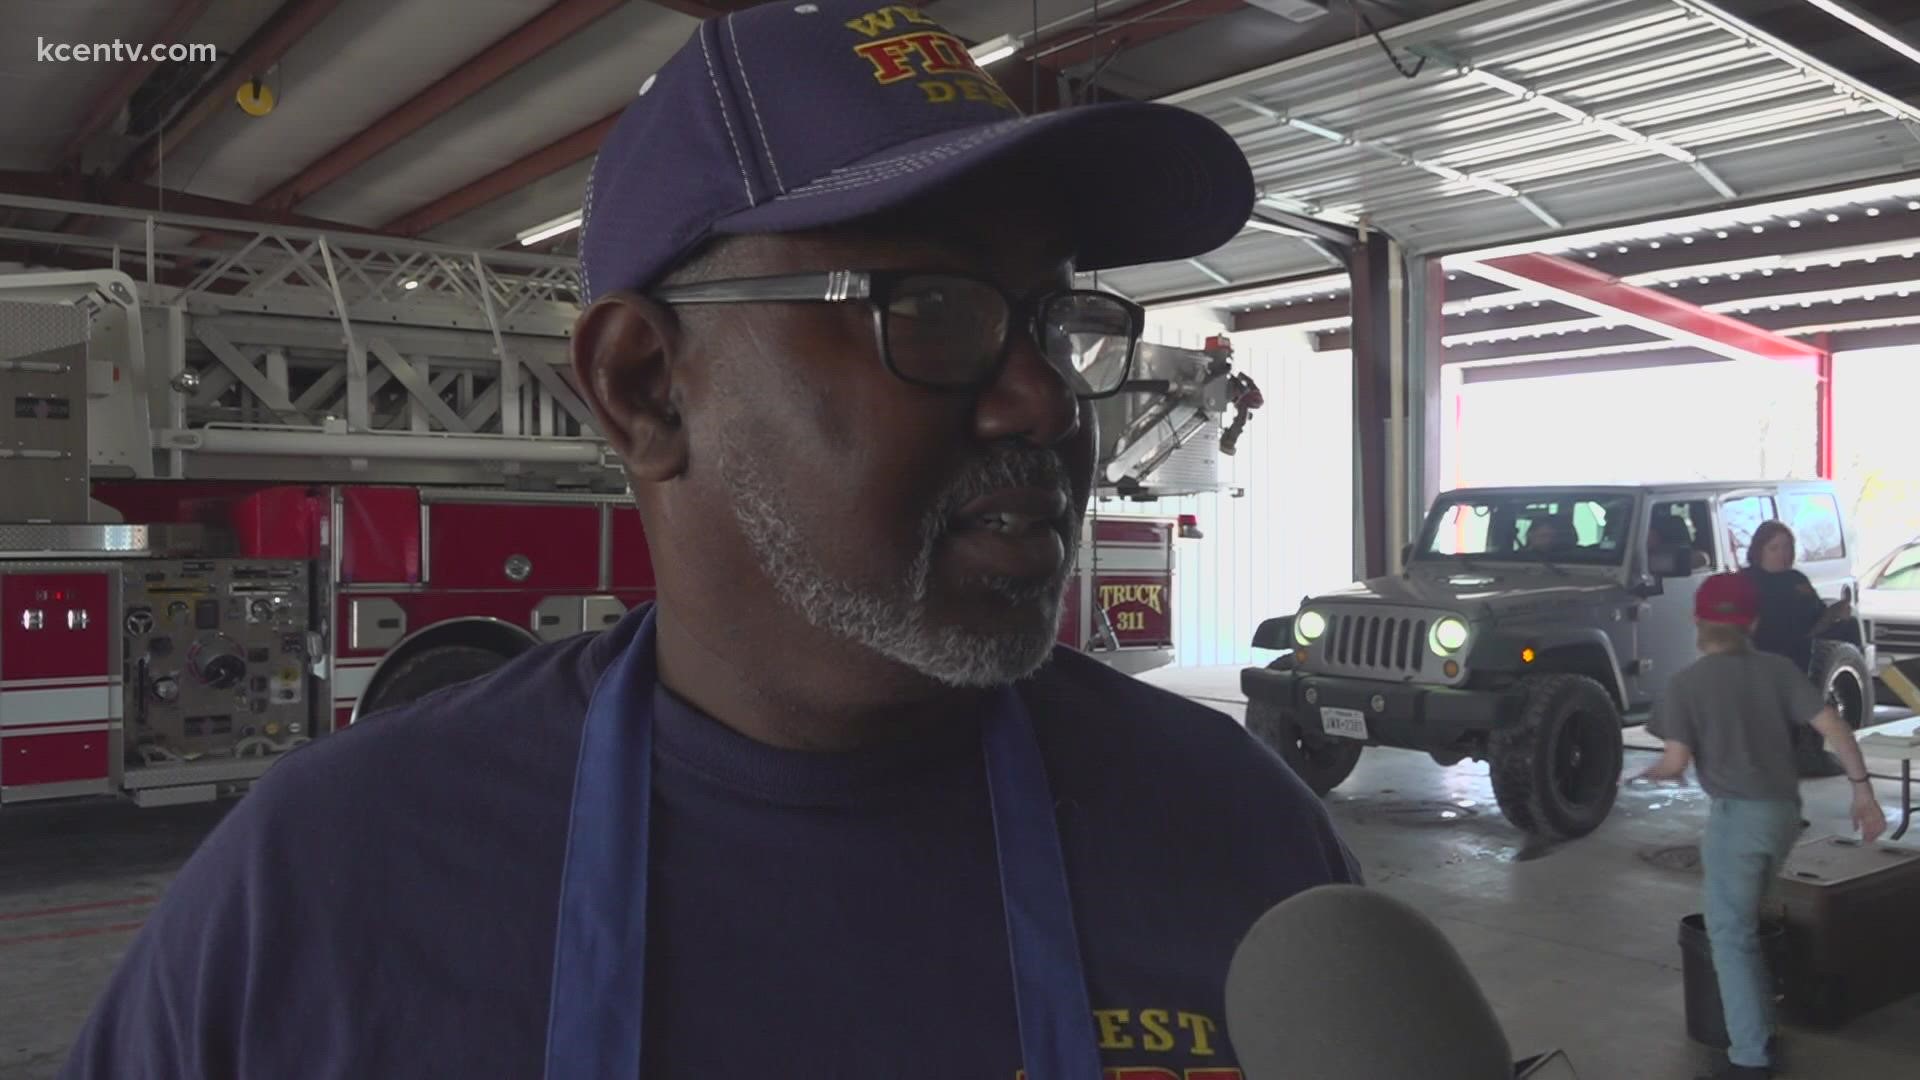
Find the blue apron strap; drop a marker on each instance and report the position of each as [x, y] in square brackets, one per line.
[600, 939]
[597, 1006]
[1050, 986]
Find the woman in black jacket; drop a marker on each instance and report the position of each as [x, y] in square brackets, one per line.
[1792, 615]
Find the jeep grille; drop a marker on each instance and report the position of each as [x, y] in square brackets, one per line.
[1903, 637]
[1388, 645]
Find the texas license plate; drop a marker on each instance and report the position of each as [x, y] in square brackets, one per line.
[1346, 723]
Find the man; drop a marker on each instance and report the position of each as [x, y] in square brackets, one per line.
[834, 806]
[1733, 713]
[1549, 534]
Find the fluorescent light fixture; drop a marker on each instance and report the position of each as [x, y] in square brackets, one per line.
[1268, 226]
[410, 285]
[549, 230]
[994, 50]
[1868, 27]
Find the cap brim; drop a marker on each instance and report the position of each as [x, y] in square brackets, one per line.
[1141, 182]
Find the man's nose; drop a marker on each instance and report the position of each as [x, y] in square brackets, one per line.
[1031, 400]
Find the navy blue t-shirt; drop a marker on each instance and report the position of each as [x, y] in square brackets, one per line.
[382, 904]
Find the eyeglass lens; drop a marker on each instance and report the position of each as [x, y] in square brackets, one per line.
[950, 331]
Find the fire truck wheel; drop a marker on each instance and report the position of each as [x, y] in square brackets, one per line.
[1322, 762]
[433, 669]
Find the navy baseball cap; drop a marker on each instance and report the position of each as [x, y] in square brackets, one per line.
[801, 115]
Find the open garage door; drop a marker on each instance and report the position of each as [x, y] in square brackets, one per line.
[1538, 424]
[1876, 449]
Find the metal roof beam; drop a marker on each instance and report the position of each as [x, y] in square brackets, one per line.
[1292, 314]
[1126, 28]
[135, 196]
[558, 22]
[546, 161]
[1770, 302]
[1648, 310]
[283, 30]
[713, 9]
[114, 96]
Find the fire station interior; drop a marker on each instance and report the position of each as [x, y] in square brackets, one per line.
[285, 327]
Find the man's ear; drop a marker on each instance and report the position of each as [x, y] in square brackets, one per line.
[621, 349]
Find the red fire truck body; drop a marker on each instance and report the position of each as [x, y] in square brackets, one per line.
[183, 598]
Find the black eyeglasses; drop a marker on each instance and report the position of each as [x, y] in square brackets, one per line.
[950, 331]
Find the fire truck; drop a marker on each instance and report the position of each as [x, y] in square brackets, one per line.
[252, 494]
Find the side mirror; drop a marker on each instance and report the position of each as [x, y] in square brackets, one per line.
[1670, 562]
[1276, 633]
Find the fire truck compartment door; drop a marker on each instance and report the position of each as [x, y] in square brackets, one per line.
[556, 618]
[375, 623]
[559, 617]
[601, 612]
[535, 546]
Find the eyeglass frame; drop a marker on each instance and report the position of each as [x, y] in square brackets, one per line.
[875, 288]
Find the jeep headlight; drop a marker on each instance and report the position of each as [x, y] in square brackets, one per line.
[1447, 636]
[1308, 627]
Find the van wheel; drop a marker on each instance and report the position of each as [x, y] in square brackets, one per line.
[1556, 770]
[1841, 674]
[1321, 761]
[429, 670]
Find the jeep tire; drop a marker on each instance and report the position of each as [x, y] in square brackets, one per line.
[1323, 761]
[1556, 770]
[1841, 674]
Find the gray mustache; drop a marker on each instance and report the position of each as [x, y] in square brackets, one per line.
[1004, 469]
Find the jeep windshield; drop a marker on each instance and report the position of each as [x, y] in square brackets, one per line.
[1551, 528]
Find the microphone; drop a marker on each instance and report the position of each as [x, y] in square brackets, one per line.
[1344, 983]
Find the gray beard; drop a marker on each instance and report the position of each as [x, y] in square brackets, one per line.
[893, 619]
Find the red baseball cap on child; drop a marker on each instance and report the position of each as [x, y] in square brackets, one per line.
[1732, 599]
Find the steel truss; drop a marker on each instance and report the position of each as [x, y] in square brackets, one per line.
[345, 347]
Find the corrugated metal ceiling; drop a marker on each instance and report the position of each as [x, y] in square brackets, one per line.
[1621, 92]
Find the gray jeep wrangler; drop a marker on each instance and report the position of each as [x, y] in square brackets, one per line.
[1529, 627]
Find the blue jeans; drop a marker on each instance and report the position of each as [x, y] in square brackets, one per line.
[1747, 841]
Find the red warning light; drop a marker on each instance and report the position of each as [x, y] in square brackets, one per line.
[58, 595]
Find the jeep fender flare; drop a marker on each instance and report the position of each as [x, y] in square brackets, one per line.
[1500, 652]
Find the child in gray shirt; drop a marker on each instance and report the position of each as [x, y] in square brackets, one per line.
[1732, 714]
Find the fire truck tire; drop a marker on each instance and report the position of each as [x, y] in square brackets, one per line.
[433, 669]
[1322, 762]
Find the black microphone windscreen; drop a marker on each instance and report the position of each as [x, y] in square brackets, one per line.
[1344, 983]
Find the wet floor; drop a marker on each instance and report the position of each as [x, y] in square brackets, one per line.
[1575, 943]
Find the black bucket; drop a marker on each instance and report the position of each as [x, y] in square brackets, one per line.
[1706, 1023]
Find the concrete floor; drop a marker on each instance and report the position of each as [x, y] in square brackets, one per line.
[1575, 945]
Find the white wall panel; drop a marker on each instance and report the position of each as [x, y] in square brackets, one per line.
[1291, 533]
